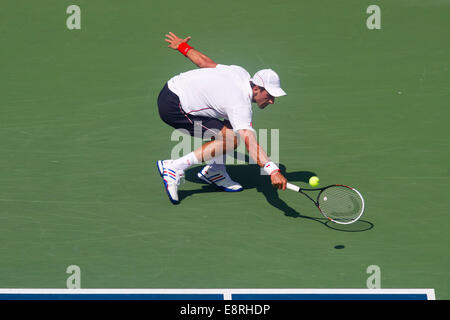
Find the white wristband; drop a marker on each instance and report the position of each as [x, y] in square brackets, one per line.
[270, 168]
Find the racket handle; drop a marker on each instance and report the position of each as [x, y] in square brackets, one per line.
[293, 187]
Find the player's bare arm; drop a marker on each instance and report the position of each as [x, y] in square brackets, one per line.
[258, 154]
[198, 58]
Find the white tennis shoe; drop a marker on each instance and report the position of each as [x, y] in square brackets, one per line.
[219, 178]
[171, 178]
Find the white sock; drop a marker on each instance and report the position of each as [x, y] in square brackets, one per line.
[185, 162]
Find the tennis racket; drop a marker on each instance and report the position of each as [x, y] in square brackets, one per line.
[338, 203]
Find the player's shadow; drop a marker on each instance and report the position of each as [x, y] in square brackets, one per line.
[249, 176]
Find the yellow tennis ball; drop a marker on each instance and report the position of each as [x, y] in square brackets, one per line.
[314, 181]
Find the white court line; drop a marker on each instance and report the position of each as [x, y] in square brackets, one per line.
[226, 292]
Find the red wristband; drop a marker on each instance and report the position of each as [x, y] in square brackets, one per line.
[184, 48]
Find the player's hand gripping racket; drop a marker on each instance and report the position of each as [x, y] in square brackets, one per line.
[338, 203]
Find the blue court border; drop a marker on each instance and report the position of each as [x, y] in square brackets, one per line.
[217, 294]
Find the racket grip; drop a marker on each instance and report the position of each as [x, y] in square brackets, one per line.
[293, 187]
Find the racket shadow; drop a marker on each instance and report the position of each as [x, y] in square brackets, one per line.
[248, 175]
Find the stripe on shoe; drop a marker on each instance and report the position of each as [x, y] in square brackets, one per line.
[218, 178]
[170, 173]
[169, 170]
[169, 176]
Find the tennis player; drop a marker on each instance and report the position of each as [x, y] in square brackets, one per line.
[217, 100]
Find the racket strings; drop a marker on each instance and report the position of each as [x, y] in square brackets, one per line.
[341, 203]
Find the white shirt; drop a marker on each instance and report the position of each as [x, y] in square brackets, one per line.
[220, 92]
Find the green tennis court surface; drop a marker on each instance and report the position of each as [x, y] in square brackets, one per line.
[80, 135]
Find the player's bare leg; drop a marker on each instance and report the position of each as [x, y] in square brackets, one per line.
[214, 151]
[225, 141]
[172, 171]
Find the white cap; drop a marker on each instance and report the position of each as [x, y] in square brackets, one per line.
[269, 80]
